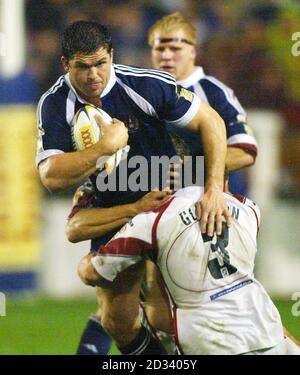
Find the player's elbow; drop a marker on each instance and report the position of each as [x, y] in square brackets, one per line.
[72, 235]
[250, 160]
[53, 185]
[207, 120]
[48, 176]
[73, 230]
[87, 273]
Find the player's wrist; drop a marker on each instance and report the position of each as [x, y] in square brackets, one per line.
[214, 185]
[136, 208]
[106, 147]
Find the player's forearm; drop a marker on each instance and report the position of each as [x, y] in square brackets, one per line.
[237, 158]
[96, 222]
[60, 171]
[84, 232]
[213, 133]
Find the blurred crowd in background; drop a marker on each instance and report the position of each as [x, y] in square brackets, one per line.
[247, 45]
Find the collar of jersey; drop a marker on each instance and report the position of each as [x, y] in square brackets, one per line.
[190, 192]
[112, 80]
[193, 78]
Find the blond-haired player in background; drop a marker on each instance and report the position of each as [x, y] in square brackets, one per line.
[173, 41]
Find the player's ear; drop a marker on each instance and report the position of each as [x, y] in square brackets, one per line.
[65, 64]
[112, 55]
[194, 53]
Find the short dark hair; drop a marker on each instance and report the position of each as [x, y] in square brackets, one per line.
[85, 37]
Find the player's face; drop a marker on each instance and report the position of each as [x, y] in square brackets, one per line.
[89, 74]
[177, 58]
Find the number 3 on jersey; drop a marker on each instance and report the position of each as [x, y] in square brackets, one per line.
[219, 266]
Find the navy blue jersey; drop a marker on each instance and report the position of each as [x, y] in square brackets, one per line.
[143, 98]
[222, 99]
[146, 100]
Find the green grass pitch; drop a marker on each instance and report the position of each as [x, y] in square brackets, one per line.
[46, 326]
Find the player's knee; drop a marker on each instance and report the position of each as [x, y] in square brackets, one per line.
[121, 326]
[121, 322]
[87, 273]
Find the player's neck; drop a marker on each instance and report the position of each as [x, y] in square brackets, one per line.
[96, 101]
[188, 72]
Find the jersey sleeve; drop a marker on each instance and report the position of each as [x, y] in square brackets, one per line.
[54, 133]
[157, 94]
[176, 105]
[224, 101]
[129, 246]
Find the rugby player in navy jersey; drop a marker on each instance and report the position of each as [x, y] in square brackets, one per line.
[173, 41]
[144, 97]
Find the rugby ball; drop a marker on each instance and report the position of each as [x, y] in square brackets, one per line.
[86, 132]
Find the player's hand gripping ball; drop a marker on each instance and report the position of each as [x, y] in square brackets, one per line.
[86, 132]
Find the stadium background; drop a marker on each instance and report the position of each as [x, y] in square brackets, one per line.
[43, 305]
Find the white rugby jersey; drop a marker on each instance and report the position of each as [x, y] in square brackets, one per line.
[219, 307]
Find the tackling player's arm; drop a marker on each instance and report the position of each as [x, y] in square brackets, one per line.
[64, 169]
[213, 132]
[90, 223]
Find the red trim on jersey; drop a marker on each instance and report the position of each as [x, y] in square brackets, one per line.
[247, 147]
[125, 246]
[176, 330]
[242, 199]
[257, 222]
[162, 209]
[239, 197]
[83, 202]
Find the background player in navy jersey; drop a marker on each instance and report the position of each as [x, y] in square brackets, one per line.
[173, 41]
[147, 98]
